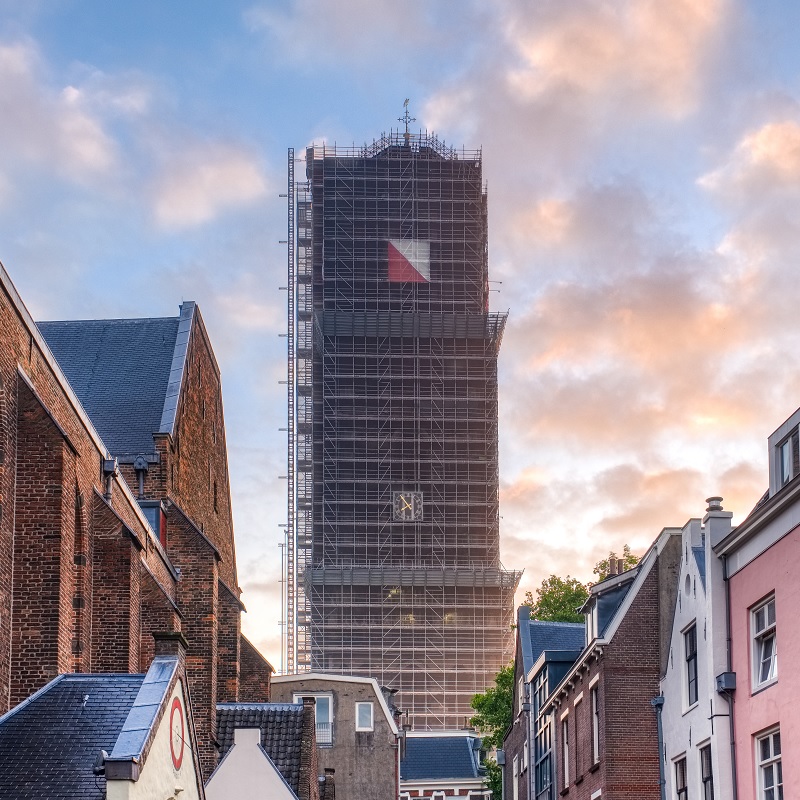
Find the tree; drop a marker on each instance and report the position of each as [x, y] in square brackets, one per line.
[558, 600]
[494, 778]
[601, 568]
[494, 716]
[494, 708]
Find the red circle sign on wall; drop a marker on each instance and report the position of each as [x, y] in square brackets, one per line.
[176, 733]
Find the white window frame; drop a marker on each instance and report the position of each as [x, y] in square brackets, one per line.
[576, 713]
[324, 734]
[565, 750]
[764, 635]
[371, 726]
[515, 778]
[681, 770]
[706, 779]
[769, 766]
[595, 696]
[520, 694]
[689, 661]
[785, 461]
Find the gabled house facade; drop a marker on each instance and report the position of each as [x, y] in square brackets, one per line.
[695, 714]
[267, 750]
[544, 652]
[105, 736]
[761, 562]
[604, 724]
[356, 731]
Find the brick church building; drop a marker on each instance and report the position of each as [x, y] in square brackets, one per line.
[115, 513]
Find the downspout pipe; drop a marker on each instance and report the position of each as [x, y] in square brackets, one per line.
[658, 706]
[729, 695]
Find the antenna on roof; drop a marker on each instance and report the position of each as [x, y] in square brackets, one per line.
[406, 118]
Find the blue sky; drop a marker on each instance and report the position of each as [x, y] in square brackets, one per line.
[643, 164]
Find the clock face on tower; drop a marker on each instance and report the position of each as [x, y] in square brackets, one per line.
[407, 506]
[176, 733]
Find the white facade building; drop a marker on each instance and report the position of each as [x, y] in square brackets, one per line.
[695, 718]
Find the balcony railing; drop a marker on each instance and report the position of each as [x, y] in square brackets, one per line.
[324, 733]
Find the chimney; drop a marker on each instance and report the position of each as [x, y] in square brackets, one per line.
[308, 786]
[717, 522]
[171, 644]
[327, 789]
[612, 566]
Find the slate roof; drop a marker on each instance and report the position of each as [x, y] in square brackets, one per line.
[281, 726]
[50, 742]
[537, 636]
[120, 369]
[440, 758]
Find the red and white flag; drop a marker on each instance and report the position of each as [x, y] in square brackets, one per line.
[409, 261]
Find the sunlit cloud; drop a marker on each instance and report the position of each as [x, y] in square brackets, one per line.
[46, 126]
[199, 185]
[645, 54]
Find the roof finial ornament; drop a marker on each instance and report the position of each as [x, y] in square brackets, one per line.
[406, 118]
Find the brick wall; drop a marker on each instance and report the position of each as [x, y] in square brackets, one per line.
[43, 542]
[228, 656]
[514, 743]
[255, 673]
[54, 585]
[626, 677]
[83, 584]
[197, 560]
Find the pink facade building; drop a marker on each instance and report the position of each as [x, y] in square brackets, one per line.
[761, 560]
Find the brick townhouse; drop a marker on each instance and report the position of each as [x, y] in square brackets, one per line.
[544, 653]
[115, 517]
[605, 733]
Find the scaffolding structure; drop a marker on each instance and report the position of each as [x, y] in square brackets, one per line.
[392, 558]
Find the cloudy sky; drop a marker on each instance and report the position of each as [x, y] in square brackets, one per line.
[643, 164]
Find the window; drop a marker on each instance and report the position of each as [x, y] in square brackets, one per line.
[770, 771]
[324, 715]
[565, 750]
[765, 653]
[706, 772]
[515, 779]
[681, 790]
[364, 721]
[785, 462]
[595, 726]
[520, 694]
[577, 736]
[690, 648]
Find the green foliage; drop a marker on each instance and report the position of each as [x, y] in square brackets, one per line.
[494, 708]
[601, 568]
[494, 777]
[557, 600]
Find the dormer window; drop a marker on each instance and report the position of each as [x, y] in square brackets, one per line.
[157, 517]
[783, 447]
[785, 462]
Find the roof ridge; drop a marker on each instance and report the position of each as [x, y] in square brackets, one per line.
[104, 319]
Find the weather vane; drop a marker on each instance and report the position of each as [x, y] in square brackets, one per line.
[406, 118]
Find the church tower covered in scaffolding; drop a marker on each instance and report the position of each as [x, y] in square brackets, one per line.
[392, 552]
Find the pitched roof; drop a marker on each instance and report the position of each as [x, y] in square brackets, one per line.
[440, 758]
[281, 726]
[126, 373]
[537, 636]
[50, 742]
